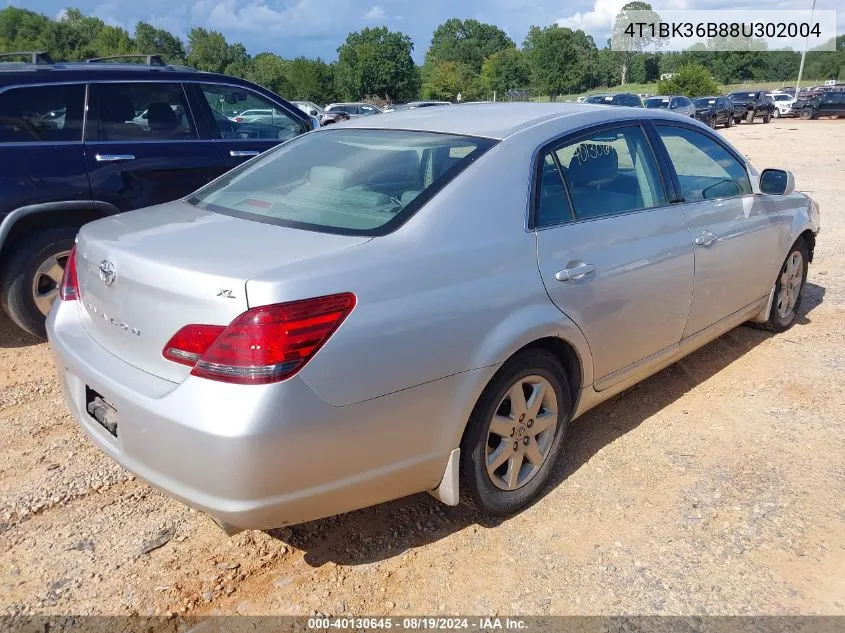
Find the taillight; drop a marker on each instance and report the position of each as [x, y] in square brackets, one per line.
[239, 119]
[69, 289]
[262, 345]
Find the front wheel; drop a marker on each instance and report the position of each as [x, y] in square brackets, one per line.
[749, 118]
[806, 114]
[729, 122]
[789, 289]
[767, 117]
[515, 434]
[776, 114]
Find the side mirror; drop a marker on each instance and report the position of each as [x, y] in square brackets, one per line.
[777, 182]
[313, 112]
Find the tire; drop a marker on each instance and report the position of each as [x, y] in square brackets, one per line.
[498, 494]
[786, 303]
[712, 122]
[749, 117]
[729, 122]
[30, 280]
[737, 120]
[776, 113]
[767, 117]
[806, 114]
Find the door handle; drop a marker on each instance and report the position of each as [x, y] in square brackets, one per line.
[575, 273]
[705, 238]
[113, 158]
[241, 153]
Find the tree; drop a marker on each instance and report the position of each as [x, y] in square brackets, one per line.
[628, 47]
[207, 50]
[113, 40]
[691, 80]
[310, 79]
[150, 40]
[467, 42]
[562, 61]
[377, 62]
[445, 80]
[506, 70]
[269, 70]
[22, 30]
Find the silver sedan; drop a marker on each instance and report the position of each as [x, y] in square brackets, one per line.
[398, 304]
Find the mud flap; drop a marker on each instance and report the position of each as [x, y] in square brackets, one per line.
[448, 490]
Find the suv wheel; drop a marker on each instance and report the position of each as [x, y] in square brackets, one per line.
[767, 117]
[776, 113]
[29, 283]
[806, 114]
[749, 118]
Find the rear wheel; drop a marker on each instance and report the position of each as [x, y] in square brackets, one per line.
[29, 283]
[789, 289]
[515, 434]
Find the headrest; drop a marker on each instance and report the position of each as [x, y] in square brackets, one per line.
[330, 177]
[116, 108]
[593, 164]
[160, 116]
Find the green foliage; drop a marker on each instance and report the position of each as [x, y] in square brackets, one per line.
[376, 62]
[506, 70]
[467, 42]
[208, 50]
[310, 80]
[691, 80]
[626, 46]
[152, 41]
[445, 80]
[561, 60]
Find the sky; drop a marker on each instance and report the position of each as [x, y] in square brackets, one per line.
[315, 28]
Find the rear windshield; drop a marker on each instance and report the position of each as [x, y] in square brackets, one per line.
[657, 103]
[348, 181]
[704, 102]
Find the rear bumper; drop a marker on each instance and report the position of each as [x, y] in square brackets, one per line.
[259, 456]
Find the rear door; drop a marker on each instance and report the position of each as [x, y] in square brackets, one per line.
[613, 255]
[141, 144]
[41, 152]
[231, 142]
[736, 234]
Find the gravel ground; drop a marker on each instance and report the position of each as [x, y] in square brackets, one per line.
[714, 487]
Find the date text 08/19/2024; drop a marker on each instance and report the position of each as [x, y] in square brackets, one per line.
[413, 623]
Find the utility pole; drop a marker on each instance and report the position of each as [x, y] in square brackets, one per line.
[804, 54]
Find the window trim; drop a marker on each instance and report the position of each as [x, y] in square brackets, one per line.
[567, 138]
[679, 192]
[42, 84]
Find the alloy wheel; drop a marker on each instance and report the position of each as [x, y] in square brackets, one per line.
[47, 279]
[791, 279]
[521, 432]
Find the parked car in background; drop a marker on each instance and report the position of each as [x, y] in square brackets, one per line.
[714, 111]
[261, 318]
[152, 133]
[783, 104]
[751, 105]
[354, 109]
[830, 103]
[616, 99]
[677, 104]
[325, 118]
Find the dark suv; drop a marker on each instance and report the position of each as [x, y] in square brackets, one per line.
[616, 99]
[79, 141]
[830, 103]
[751, 105]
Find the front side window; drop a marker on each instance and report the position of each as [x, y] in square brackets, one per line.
[240, 114]
[607, 172]
[705, 169]
[367, 109]
[42, 114]
[139, 112]
[356, 182]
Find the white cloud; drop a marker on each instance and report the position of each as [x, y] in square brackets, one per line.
[375, 14]
[61, 15]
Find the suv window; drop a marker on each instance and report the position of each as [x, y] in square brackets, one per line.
[705, 169]
[240, 114]
[606, 172]
[361, 182]
[144, 111]
[45, 114]
[366, 109]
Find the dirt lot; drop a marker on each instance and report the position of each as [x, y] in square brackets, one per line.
[717, 486]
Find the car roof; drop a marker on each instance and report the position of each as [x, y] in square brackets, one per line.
[497, 120]
[11, 72]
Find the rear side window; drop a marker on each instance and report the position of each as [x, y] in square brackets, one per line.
[353, 182]
[705, 169]
[606, 173]
[42, 114]
[148, 111]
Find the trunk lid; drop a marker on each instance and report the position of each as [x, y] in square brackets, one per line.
[144, 275]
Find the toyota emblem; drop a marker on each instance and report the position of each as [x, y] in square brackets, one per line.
[108, 275]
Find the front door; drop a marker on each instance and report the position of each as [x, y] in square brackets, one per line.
[736, 234]
[613, 256]
[141, 145]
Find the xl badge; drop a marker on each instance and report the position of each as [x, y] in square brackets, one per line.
[108, 275]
